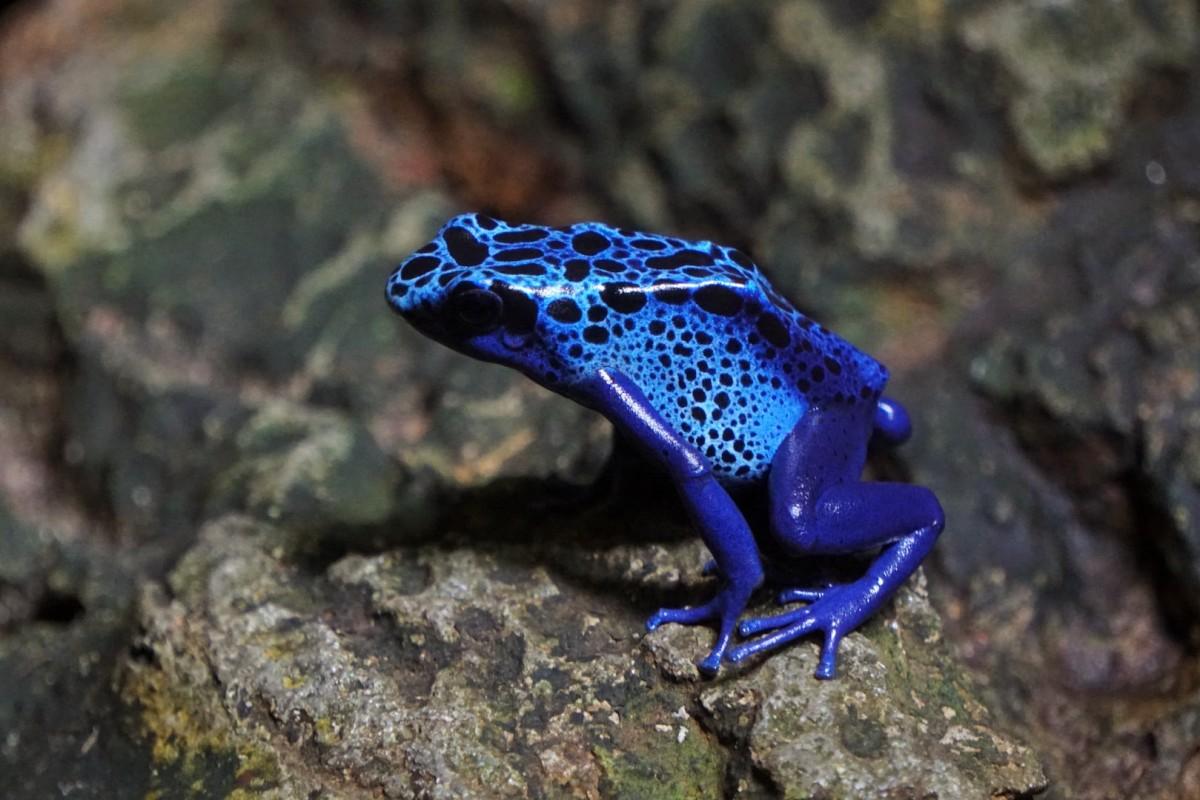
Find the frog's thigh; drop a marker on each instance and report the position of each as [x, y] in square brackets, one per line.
[818, 503]
[826, 448]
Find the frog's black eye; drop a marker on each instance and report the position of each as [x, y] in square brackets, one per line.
[475, 310]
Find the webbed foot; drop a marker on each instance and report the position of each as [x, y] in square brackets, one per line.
[724, 608]
[838, 610]
[755, 625]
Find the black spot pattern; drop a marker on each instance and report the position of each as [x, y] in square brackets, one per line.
[589, 243]
[679, 259]
[565, 310]
[521, 269]
[416, 267]
[623, 297]
[576, 270]
[671, 292]
[773, 330]
[524, 236]
[717, 351]
[465, 249]
[718, 298]
[519, 254]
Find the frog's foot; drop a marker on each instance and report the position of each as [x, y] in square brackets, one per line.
[755, 625]
[838, 610]
[724, 608]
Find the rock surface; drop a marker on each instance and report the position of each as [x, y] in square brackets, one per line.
[488, 664]
[262, 539]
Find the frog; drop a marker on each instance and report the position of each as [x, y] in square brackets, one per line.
[719, 381]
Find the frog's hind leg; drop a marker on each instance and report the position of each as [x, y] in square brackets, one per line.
[819, 506]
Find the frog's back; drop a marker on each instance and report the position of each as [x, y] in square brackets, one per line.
[717, 350]
[726, 360]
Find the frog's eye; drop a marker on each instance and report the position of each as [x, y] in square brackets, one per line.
[475, 310]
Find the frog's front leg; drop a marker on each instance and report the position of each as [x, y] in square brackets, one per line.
[721, 523]
[819, 506]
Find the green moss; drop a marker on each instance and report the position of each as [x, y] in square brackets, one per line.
[647, 757]
[258, 772]
[663, 767]
[190, 741]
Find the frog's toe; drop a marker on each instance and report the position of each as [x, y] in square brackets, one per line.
[750, 627]
[827, 666]
[692, 615]
[801, 595]
[710, 665]
[802, 623]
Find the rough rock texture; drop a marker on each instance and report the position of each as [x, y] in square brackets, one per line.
[486, 665]
[259, 538]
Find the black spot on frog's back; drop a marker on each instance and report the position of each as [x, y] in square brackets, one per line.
[565, 310]
[589, 243]
[522, 236]
[671, 292]
[649, 244]
[595, 334]
[719, 299]
[623, 297]
[576, 270]
[680, 259]
[773, 330]
[464, 248]
[519, 254]
[521, 269]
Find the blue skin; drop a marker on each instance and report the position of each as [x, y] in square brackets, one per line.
[695, 357]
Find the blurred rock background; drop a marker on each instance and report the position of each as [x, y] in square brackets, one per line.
[259, 539]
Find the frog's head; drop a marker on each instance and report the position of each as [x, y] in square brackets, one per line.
[466, 290]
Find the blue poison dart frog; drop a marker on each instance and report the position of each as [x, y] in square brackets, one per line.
[712, 374]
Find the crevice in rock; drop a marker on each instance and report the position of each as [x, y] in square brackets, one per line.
[58, 608]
